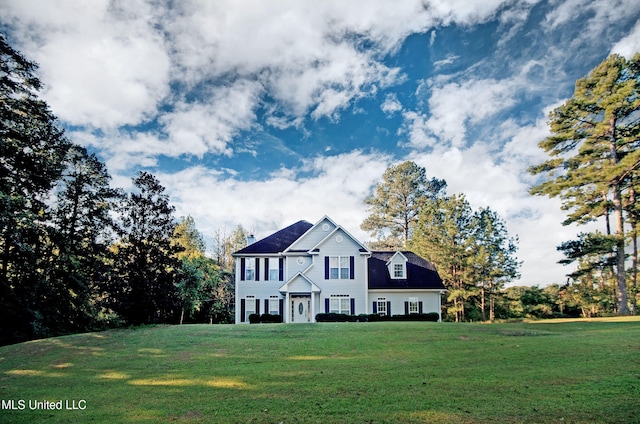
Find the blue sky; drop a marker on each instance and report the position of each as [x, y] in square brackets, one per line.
[264, 113]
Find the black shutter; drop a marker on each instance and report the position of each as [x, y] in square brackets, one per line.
[266, 269]
[326, 306]
[281, 307]
[242, 310]
[353, 306]
[242, 268]
[406, 308]
[352, 271]
[419, 307]
[281, 268]
[375, 307]
[266, 306]
[257, 269]
[389, 308]
[326, 268]
[258, 306]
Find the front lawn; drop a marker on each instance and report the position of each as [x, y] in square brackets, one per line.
[391, 372]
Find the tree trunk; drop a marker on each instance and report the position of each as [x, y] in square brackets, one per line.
[492, 315]
[623, 308]
[606, 213]
[484, 315]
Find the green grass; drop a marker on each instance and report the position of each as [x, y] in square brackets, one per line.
[569, 372]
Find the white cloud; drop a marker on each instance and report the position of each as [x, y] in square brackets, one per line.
[419, 135]
[454, 105]
[451, 58]
[391, 104]
[109, 64]
[211, 126]
[104, 65]
[630, 44]
[337, 187]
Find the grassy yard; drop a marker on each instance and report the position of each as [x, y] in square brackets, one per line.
[569, 372]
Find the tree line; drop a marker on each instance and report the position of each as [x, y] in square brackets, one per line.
[78, 255]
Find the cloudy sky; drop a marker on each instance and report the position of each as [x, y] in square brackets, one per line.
[262, 113]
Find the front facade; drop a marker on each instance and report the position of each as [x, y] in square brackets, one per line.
[306, 269]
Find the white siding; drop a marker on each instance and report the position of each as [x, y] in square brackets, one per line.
[314, 236]
[430, 300]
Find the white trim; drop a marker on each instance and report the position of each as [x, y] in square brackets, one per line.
[312, 289]
[396, 254]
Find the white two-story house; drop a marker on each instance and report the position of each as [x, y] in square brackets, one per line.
[305, 269]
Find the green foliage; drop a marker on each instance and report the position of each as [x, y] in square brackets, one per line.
[32, 152]
[396, 202]
[265, 319]
[187, 236]
[143, 286]
[593, 152]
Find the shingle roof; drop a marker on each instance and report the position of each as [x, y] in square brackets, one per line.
[421, 274]
[277, 242]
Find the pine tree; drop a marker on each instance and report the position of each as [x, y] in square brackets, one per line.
[493, 262]
[593, 149]
[396, 202]
[143, 289]
[443, 235]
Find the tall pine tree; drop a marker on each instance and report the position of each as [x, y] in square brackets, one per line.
[143, 287]
[593, 149]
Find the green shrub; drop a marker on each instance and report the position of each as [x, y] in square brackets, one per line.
[264, 319]
[431, 316]
[333, 317]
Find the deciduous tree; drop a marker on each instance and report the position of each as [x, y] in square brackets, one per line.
[32, 150]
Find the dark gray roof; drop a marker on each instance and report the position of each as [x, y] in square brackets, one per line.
[421, 274]
[277, 242]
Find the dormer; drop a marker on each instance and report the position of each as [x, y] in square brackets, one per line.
[397, 266]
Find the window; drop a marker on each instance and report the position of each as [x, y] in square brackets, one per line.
[250, 307]
[398, 270]
[250, 269]
[339, 267]
[340, 304]
[274, 270]
[413, 305]
[381, 306]
[274, 305]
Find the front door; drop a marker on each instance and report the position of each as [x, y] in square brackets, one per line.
[301, 309]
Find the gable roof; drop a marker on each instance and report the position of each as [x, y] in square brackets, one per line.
[278, 241]
[362, 249]
[421, 274]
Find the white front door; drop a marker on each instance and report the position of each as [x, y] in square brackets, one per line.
[301, 309]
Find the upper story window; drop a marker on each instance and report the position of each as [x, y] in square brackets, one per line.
[398, 271]
[250, 270]
[339, 267]
[274, 270]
